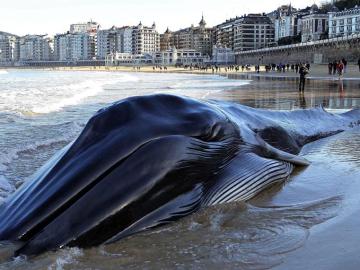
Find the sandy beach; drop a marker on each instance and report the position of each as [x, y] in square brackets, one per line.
[317, 71]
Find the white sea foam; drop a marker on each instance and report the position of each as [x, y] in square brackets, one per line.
[75, 94]
[67, 256]
[8, 156]
[5, 184]
[6, 188]
[2, 71]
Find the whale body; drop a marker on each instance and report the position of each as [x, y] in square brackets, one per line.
[149, 160]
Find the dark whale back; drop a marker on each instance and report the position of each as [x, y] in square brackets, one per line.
[146, 161]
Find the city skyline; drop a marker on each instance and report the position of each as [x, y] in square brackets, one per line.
[58, 16]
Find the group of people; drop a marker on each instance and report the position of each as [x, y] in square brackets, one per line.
[160, 68]
[338, 67]
[285, 67]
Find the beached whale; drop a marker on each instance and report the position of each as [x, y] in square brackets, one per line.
[146, 161]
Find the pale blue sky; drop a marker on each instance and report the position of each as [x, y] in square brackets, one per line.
[54, 16]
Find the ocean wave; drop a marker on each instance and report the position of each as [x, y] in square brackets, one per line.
[3, 72]
[87, 89]
[6, 188]
[9, 155]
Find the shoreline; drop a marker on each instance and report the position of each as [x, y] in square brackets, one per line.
[317, 72]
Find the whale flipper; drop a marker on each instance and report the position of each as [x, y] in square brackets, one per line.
[237, 182]
[270, 151]
[181, 206]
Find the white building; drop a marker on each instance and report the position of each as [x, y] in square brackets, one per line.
[344, 23]
[123, 59]
[287, 23]
[114, 40]
[35, 48]
[180, 57]
[74, 47]
[254, 31]
[314, 27]
[89, 27]
[223, 56]
[124, 39]
[9, 49]
[145, 39]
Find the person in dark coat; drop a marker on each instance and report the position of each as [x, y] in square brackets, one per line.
[303, 71]
[297, 68]
[359, 64]
[335, 63]
[344, 62]
[330, 67]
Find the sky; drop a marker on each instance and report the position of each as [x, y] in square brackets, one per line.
[50, 17]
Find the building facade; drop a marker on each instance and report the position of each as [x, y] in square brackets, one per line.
[35, 48]
[224, 34]
[120, 59]
[223, 56]
[314, 27]
[137, 40]
[199, 38]
[145, 39]
[254, 31]
[74, 47]
[287, 22]
[185, 57]
[89, 27]
[124, 39]
[166, 40]
[107, 42]
[344, 23]
[9, 48]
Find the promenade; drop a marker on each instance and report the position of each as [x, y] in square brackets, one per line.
[317, 71]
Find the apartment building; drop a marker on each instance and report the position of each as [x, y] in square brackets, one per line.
[9, 48]
[145, 39]
[35, 48]
[253, 31]
[198, 38]
[344, 23]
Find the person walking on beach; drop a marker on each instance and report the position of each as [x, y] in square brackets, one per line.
[330, 67]
[359, 64]
[340, 69]
[303, 71]
[335, 63]
[344, 62]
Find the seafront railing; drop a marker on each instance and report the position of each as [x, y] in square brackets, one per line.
[324, 42]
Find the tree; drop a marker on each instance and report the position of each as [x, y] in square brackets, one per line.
[340, 4]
